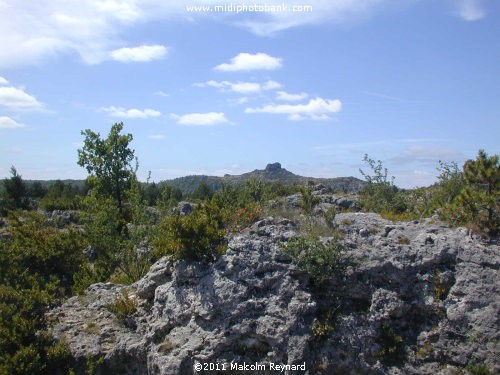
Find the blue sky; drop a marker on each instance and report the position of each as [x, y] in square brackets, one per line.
[410, 82]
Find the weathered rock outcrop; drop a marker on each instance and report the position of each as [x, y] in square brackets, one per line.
[418, 298]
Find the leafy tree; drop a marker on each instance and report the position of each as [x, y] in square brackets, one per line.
[478, 203]
[109, 162]
[203, 191]
[380, 194]
[450, 183]
[15, 190]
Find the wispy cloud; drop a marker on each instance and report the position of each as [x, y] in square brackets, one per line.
[3, 81]
[470, 10]
[248, 61]
[200, 119]
[130, 113]
[287, 97]
[425, 155]
[139, 54]
[34, 31]
[239, 87]
[391, 98]
[9, 123]
[315, 109]
[161, 93]
[14, 99]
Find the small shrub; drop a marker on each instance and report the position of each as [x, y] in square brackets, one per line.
[424, 350]
[477, 369]
[321, 260]
[198, 236]
[391, 352]
[380, 194]
[165, 346]
[329, 216]
[92, 328]
[308, 201]
[403, 240]
[123, 307]
[92, 365]
[321, 330]
[242, 217]
[440, 290]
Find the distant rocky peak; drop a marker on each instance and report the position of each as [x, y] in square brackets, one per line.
[274, 167]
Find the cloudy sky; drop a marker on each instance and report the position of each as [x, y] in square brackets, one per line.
[410, 82]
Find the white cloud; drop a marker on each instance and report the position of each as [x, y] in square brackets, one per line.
[470, 10]
[201, 119]
[426, 155]
[3, 81]
[34, 31]
[241, 100]
[247, 61]
[130, 113]
[284, 96]
[241, 87]
[17, 99]
[316, 109]
[157, 137]
[161, 93]
[8, 123]
[139, 54]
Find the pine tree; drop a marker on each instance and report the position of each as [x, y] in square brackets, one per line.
[15, 190]
[479, 201]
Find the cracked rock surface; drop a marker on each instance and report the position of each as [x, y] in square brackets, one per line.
[418, 298]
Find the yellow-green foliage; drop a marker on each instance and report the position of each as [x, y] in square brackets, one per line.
[36, 269]
[308, 201]
[197, 236]
[321, 330]
[123, 306]
[380, 194]
[321, 260]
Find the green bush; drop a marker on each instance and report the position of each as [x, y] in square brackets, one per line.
[392, 350]
[478, 202]
[123, 307]
[36, 270]
[308, 200]
[321, 260]
[198, 236]
[380, 194]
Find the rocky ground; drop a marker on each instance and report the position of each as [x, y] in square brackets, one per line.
[417, 298]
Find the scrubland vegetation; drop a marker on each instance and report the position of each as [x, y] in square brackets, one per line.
[120, 226]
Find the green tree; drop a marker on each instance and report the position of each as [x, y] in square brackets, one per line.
[203, 191]
[37, 190]
[478, 203]
[380, 194]
[109, 162]
[15, 190]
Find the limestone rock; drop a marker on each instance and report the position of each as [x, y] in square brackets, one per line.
[418, 298]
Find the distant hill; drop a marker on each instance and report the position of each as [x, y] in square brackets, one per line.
[272, 173]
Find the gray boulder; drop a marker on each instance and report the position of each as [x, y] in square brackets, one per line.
[417, 298]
